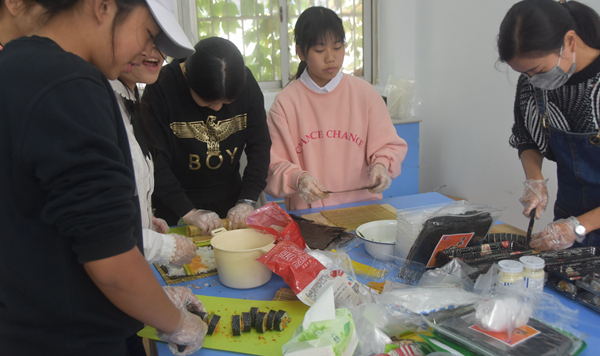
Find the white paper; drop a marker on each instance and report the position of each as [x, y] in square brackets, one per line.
[322, 309]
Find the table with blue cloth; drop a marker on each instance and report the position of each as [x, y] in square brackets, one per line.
[589, 321]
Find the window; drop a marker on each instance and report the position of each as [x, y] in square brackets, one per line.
[263, 30]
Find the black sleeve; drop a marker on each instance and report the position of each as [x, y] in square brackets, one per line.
[75, 147]
[167, 187]
[521, 138]
[258, 143]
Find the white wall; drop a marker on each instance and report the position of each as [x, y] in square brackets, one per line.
[464, 99]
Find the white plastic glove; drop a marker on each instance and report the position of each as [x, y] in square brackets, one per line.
[185, 251]
[236, 216]
[380, 179]
[190, 332]
[159, 225]
[204, 219]
[310, 189]
[184, 299]
[535, 195]
[558, 235]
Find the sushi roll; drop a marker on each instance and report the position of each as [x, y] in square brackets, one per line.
[253, 312]
[246, 324]
[213, 323]
[201, 314]
[236, 325]
[261, 322]
[282, 318]
[271, 319]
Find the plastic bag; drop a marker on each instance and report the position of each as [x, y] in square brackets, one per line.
[456, 225]
[455, 272]
[272, 219]
[399, 94]
[334, 260]
[337, 333]
[430, 299]
[503, 313]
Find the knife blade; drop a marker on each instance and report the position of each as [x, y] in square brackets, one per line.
[531, 220]
[350, 190]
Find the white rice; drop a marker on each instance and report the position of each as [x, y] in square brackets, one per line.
[208, 259]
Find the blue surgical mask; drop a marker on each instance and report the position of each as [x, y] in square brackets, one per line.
[553, 78]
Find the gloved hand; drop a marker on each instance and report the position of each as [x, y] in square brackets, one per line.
[185, 251]
[236, 216]
[380, 179]
[310, 189]
[159, 225]
[184, 299]
[190, 331]
[535, 195]
[558, 235]
[204, 219]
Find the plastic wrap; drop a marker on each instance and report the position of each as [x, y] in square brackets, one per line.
[504, 313]
[458, 224]
[455, 272]
[399, 94]
[534, 338]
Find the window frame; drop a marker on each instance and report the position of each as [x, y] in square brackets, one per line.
[186, 14]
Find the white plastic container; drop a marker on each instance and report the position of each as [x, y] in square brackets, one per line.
[379, 238]
[236, 252]
[533, 272]
[511, 272]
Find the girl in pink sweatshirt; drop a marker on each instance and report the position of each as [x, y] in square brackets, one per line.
[330, 132]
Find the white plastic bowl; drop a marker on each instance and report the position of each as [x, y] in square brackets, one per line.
[379, 238]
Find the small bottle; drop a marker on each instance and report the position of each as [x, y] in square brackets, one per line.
[533, 272]
[511, 272]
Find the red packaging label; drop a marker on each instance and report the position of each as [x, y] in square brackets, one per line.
[296, 267]
[272, 219]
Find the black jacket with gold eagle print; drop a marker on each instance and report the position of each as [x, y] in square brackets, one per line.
[199, 149]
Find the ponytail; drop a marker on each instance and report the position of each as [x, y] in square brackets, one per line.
[301, 68]
[588, 23]
[535, 28]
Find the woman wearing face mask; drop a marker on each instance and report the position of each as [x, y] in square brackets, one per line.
[557, 114]
[74, 279]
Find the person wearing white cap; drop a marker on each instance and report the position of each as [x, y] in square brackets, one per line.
[72, 231]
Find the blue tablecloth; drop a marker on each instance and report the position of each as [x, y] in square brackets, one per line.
[589, 321]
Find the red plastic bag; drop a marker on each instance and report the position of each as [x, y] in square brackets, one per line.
[297, 268]
[270, 219]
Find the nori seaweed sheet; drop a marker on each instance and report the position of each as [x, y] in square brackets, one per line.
[435, 227]
[316, 235]
[213, 321]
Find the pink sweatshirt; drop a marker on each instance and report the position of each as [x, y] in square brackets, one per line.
[335, 137]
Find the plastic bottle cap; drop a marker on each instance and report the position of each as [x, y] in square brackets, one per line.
[510, 266]
[532, 262]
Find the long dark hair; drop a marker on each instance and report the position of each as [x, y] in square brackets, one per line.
[536, 28]
[216, 71]
[315, 25]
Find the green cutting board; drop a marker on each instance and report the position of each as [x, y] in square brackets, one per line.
[254, 343]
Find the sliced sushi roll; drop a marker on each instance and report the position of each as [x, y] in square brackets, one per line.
[253, 312]
[282, 318]
[246, 322]
[201, 314]
[213, 323]
[271, 319]
[260, 324]
[236, 325]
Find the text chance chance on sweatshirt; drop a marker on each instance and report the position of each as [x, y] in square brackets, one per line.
[335, 137]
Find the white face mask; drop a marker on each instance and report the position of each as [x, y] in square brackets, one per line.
[553, 78]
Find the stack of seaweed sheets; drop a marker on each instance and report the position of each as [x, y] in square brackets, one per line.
[425, 231]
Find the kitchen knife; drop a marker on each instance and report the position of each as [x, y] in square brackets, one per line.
[531, 220]
[351, 190]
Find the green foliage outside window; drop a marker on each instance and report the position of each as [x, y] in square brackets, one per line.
[253, 26]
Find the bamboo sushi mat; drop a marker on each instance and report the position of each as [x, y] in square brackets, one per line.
[351, 218]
